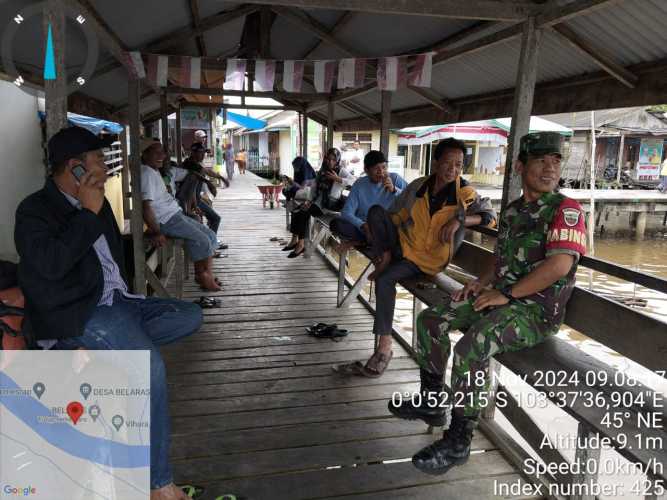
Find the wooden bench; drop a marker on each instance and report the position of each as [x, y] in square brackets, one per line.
[605, 402]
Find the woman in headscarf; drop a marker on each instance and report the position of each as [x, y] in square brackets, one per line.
[324, 194]
[304, 175]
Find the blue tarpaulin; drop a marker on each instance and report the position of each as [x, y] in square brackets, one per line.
[95, 125]
[245, 121]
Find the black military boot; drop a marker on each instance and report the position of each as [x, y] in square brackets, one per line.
[431, 405]
[452, 449]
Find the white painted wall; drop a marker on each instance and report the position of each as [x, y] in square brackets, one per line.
[22, 168]
[285, 152]
[263, 144]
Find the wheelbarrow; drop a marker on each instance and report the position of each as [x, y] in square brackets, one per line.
[270, 193]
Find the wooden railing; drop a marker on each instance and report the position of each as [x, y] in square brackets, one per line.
[604, 401]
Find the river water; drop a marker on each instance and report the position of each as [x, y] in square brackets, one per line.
[649, 256]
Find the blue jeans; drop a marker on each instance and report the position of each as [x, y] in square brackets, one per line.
[137, 324]
[200, 241]
[211, 215]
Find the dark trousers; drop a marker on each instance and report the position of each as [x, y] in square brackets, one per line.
[385, 238]
[346, 230]
[300, 219]
[212, 217]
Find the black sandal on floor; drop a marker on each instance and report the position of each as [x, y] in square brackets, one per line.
[207, 302]
[289, 247]
[294, 254]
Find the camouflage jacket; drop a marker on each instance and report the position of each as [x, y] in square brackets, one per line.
[530, 232]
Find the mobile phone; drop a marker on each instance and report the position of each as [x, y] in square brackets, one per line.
[78, 171]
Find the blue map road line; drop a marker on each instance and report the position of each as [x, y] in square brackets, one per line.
[66, 437]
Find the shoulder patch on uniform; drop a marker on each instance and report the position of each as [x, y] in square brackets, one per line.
[571, 216]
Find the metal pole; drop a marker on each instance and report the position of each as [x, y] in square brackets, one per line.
[591, 215]
[619, 162]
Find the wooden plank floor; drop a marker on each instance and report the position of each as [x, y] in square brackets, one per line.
[256, 409]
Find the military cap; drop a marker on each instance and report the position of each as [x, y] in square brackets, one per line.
[541, 143]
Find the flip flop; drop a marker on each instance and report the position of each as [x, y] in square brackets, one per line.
[329, 332]
[381, 366]
[317, 327]
[349, 369]
[192, 491]
[207, 302]
[274, 238]
[219, 255]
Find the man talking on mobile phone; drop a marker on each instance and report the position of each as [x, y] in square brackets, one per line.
[72, 275]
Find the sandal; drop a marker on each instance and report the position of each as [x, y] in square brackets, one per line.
[318, 326]
[219, 255]
[207, 302]
[329, 332]
[191, 491]
[349, 369]
[380, 366]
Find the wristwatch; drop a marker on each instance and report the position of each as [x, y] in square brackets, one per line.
[507, 291]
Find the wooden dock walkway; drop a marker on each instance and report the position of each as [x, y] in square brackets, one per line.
[257, 411]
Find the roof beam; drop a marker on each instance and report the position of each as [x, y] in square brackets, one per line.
[600, 56]
[182, 35]
[339, 24]
[305, 97]
[548, 18]
[355, 108]
[462, 9]
[201, 43]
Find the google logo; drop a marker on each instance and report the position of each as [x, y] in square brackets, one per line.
[19, 491]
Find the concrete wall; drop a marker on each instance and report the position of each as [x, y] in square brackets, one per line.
[22, 169]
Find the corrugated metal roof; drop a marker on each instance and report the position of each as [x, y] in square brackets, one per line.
[631, 30]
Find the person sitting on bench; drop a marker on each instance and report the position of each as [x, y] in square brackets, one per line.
[325, 194]
[420, 233]
[517, 303]
[304, 175]
[164, 218]
[378, 187]
[72, 274]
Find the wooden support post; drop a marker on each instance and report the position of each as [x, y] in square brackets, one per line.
[584, 456]
[386, 119]
[164, 122]
[621, 156]
[179, 137]
[137, 220]
[55, 90]
[523, 106]
[304, 134]
[125, 174]
[330, 124]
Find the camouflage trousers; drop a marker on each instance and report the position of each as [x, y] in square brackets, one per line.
[495, 330]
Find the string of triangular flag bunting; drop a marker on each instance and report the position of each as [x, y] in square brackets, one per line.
[392, 72]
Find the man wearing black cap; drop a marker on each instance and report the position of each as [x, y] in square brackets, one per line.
[194, 164]
[72, 274]
[378, 187]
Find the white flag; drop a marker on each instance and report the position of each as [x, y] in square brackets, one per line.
[137, 64]
[420, 75]
[324, 75]
[235, 75]
[265, 75]
[292, 76]
[391, 73]
[190, 76]
[158, 69]
[351, 73]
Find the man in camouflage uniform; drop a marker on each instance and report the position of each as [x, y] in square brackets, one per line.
[517, 303]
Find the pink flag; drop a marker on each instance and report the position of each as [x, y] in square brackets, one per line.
[265, 75]
[420, 74]
[392, 72]
[324, 75]
[292, 76]
[158, 68]
[235, 75]
[351, 73]
[136, 64]
[190, 75]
